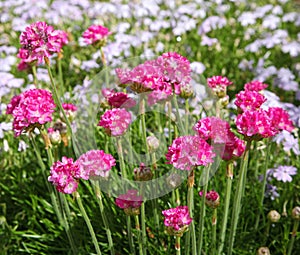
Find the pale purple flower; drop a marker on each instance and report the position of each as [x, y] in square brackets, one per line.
[290, 17]
[271, 21]
[247, 18]
[197, 67]
[285, 80]
[22, 146]
[293, 48]
[211, 23]
[289, 142]
[271, 191]
[284, 173]
[207, 41]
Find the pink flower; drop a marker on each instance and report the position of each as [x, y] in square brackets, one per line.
[249, 100]
[129, 200]
[95, 33]
[115, 121]
[212, 198]
[161, 91]
[280, 119]
[177, 218]
[64, 175]
[255, 86]
[189, 151]
[32, 107]
[218, 82]
[63, 36]
[120, 100]
[234, 147]
[39, 40]
[69, 107]
[95, 163]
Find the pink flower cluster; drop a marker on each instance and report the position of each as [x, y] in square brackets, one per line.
[118, 99]
[115, 121]
[129, 200]
[95, 33]
[162, 76]
[189, 151]
[212, 198]
[218, 82]
[177, 218]
[32, 107]
[39, 40]
[95, 163]
[65, 174]
[255, 86]
[69, 107]
[217, 133]
[249, 100]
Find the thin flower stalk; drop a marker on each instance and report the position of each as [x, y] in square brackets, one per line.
[177, 245]
[214, 231]
[140, 241]
[129, 233]
[35, 80]
[294, 233]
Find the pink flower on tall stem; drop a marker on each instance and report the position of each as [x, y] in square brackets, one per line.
[255, 86]
[64, 175]
[280, 119]
[249, 100]
[115, 121]
[32, 107]
[187, 152]
[130, 202]
[95, 34]
[118, 99]
[212, 198]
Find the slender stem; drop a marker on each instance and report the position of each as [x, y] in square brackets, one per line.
[294, 233]
[88, 222]
[202, 212]
[229, 176]
[121, 157]
[169, 105]
[140, 241]
[143, 124]
[238, 197]
[60, 75]
[130, 239]
[186, 117]
[214, 231]
[104, 218]
[190, 203]
[178, 118]
[177, 245]
[262, 194]
[35, 80]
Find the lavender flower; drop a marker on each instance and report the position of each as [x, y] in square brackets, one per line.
[284, 173]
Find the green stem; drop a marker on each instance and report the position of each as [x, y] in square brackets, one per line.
[262, 194]
[214, 231]
[294, 233]
[121, 157]
[186, 117]
[229, 176]
[104, 218]
[140, 239]
[190, 203]
[238, 197]
[88, 223]
[60, 75]
[35, 80]
[169, 105]
[143, 124]
[177, 245]
[178, 118]
[130, 239]
[202, 212]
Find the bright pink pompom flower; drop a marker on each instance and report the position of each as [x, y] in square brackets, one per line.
[177, 218]
[64, 175]
[280, 119]
[218, 81]
[249, 100]
[115, 121]
[95, 33]
[189, 151]
[255, 86]
[39, 40]
[33, 106]
[129, 200]
[95, 163]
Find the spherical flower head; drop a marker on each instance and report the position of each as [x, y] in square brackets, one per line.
[273, 216]
[31, 108]
[63, 36]
[177, 220]
[263, 251]
[249, 100]
[234, 147]
[54, 136]
[161, 91]
[115, 121]
[280, 119]
[296, 213]
[255, 124]
[219, 85]
[39, 40]
[70, 110]
[120, 100]
[255, 86]
[213, 129]
[186, 152]
[130, 202]
[95, 163]
[96, 34]
[212, 198]
[64, 175]
[143, 173]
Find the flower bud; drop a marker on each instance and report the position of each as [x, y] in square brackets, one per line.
[273, 216]
[54, 136]
[152, 143]
[263, 251]
[296, 213]
[212, 198]
[186, 91]
[143, 173]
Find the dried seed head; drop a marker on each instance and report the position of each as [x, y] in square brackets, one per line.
[296, 213]
[274, 216]
[263, 251]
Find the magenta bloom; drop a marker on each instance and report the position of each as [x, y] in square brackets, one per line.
[177, 218]
[255, 86]
[280, 119]
[95, 163]
[249, 100]
[69, 107]
[115, 121]
[189, 151]
[212, 198]
[39, 40]
[129, 200]
[95, 33]
[234, 147]
[64, 175]
[119, 99]
[218, 82]
[161, 91]
[32, 107]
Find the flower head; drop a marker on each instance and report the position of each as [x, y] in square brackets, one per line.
[32, 107]
[119, 99]
[115, 121]
[177, 220]
[219, 85]
[95, 163]
[255, 86]
[284, 173]
[70, 110]
[130, 202]
[64, 175]
[189, 151]
[96, 34]
[249, 100]
[280, 119]
[212, 198]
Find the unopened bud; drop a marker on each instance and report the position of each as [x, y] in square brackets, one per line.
[186, 91]
[153, 143]
[54, 136]
[224, 101]
[212, 198]
[60, 126]
[274, 216]
[143, 173]
[296, 213]
[263, 251]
